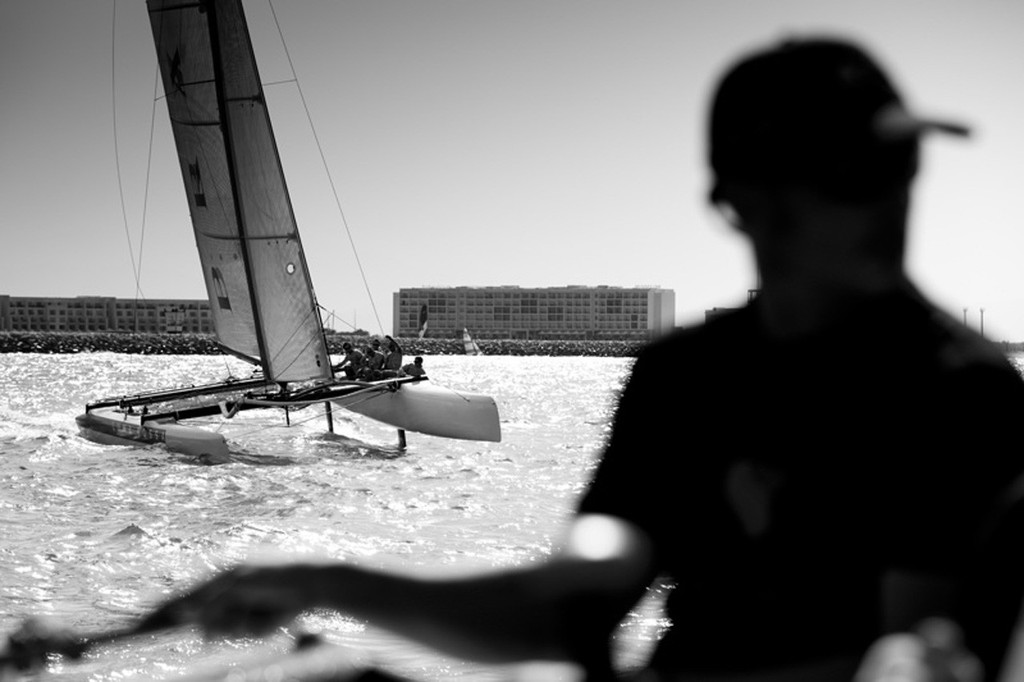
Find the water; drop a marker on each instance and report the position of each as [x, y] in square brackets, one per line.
[95, 535]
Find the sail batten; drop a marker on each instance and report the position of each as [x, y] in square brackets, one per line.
[257, 280]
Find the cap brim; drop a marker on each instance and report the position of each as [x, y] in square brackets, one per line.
[896, 123]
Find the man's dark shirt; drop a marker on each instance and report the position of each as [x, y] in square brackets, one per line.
[779, 480]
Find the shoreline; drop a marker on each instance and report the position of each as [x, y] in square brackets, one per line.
[204, 344]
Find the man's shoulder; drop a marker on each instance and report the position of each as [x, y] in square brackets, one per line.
[959, 347]
[956, 356]
[966, 347]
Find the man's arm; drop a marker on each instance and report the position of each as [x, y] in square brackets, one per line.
[561, 608]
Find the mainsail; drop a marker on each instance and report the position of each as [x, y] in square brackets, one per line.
[260, 291]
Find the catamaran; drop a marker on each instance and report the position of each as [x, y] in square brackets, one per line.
[261, 295]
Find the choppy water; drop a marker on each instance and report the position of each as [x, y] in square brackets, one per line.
[94, 535]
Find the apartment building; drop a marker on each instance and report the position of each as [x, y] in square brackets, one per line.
[511, 312]
[104, 314]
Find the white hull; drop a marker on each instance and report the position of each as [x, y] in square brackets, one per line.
[433, 410]
[114, 426]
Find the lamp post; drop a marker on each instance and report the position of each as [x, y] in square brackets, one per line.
[982, 321]
[965, 317]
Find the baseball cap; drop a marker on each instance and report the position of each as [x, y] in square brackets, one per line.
[816, 112]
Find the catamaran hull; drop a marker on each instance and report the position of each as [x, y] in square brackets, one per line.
[112, 426]
[434, 410]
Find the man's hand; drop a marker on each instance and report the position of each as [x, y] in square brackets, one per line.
[934, 652]
[36, 639]
[245, 600]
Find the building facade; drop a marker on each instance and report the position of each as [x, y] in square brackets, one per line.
[554, 313]
[104, 314]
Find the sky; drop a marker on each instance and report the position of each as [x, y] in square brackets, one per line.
[535, 143]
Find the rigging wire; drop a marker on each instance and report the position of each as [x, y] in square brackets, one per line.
[323, 159]
[333, 316]
[221, 424]
[149, 166]
[117, 154]
[292, 423]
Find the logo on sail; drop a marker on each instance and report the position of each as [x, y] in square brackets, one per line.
[221, 288]
[198, 192]
[174, 65]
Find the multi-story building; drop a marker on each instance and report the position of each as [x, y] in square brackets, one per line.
[510, 312]
[104, 313]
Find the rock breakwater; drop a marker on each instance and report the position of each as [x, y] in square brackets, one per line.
[204, 344]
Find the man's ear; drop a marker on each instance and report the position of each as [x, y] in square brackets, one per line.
[726, 205]
[757, 212]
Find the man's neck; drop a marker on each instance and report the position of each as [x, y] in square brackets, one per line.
[791, 310]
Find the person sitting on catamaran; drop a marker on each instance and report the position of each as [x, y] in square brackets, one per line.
[392, 358]
[414, 368]
[352, 362]
[374, 362]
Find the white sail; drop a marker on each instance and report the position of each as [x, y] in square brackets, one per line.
[260, 291]
[469, 344]
[423, 321]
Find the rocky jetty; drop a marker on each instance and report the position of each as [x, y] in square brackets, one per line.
[97, 342]
[204, 344]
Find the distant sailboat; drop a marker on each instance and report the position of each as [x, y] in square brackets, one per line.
[469, 344]
[261, 295]
[423, 321]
